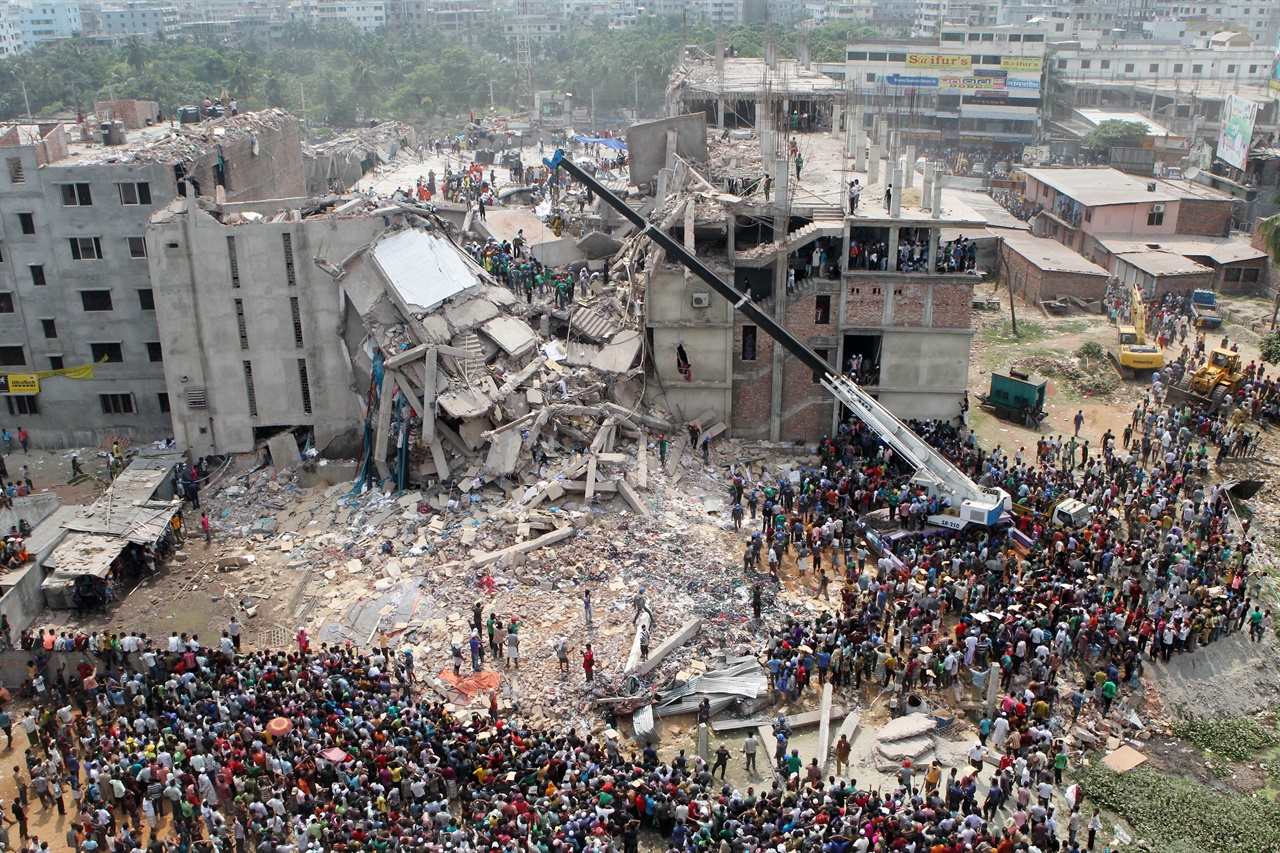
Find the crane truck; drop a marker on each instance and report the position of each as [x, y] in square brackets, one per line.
[963, 502]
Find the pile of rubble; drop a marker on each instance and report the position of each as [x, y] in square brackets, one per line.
[909, 738]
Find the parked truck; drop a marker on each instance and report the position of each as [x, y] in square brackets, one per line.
[1204, 309]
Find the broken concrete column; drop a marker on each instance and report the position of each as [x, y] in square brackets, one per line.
[895, 207]
[993, 675]
[911, 167]
[926, 194]
[860, 150]
[937, 198]
[679, 638]
[824, 725]
[835, 120]
[704, 740]
[882, 134]
[873, 166]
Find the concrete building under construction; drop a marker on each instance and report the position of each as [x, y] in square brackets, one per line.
[769, 207]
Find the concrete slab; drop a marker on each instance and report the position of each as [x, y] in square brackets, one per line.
[910, 726]
[687, 631]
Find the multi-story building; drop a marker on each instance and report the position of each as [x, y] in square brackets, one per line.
[50, 20]
[1261, 18]
[12, 40]
[75, 291]
[367, 15]
[963, 87]
[138, 17]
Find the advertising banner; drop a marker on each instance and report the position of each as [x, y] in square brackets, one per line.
[1237, 131]
[969, 83]
[938, 60]
[908, 80]
[1021, 63]
[19, 383]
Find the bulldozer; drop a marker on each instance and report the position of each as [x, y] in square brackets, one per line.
[1212, 381]
[1134, 354]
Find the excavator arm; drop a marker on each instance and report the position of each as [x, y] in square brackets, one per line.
[970, 503]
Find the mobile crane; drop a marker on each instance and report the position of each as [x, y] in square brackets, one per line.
[1135, 353]
[963, 501]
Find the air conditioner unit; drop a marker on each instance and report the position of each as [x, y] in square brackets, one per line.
[1157, 208]
[701, 299]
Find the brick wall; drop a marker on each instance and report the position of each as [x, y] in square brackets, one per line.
[274, 172]
[134, 113]
[909, 302]
[1227, 284]
[1182, 283]
[953, 304]
[1035, 285]
[864, 300]
[1204, 217]
[1272, 277]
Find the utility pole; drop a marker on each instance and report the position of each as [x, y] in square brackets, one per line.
[302, 87]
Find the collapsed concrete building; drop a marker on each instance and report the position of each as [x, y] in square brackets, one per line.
[369, 313]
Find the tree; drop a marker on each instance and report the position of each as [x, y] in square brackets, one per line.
[135, 53]
[1116, 132]
[1269, 347]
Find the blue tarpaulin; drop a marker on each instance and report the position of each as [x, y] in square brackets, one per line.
[615, 144]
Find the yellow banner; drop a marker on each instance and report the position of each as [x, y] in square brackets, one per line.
[1021, 63]
[19, 383]
[938, 60]
[80, 371]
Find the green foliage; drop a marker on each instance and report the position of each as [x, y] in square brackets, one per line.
[1270, 347]
[1270, 229]
[1174, 815]
[1237, 739]
[407, 74]
[1113, 132]
[1090, 349]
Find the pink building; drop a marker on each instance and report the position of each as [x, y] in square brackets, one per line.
[1080, 203]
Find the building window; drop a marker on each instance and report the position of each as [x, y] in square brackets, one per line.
[240, 324]
[147, 299]
[235, 263]
[76, 195]
[110, 353]
[749, 343]
[1177, 68]
[163, 398]
[297, 321]
[1106, 63]
[288, 259]
[1128, 68]
[822, 354]
[305, 384]
[137, 247]
[154, 351]
[6, 303]
[249, 392]
[37, 275]
[116, 404]
[1155, 217]
[50, 328]
[96, 300]
[1086, 63]
[1197, 69]
[55, 362]
[22, 404]
[822, 309]
[1062, 64]
[12, 356]
[135, 193]
[86, 248]
[1088, 214]
[27, 222]
[1154, 68]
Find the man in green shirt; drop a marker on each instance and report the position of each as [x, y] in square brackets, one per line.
[1109, 690]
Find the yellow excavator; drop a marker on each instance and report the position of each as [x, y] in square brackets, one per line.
[1134, 354]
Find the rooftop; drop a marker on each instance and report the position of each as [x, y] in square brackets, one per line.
[1222, 250]
[1097, 117]
[1050, 255]
[1163, 263]
[744, 77]
[1100, 187]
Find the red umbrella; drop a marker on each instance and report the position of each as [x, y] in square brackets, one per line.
[279, 727]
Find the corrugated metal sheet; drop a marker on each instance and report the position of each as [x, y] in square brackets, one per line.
[424, 269]
[85, 554]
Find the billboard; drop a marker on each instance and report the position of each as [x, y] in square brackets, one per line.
[1275, 69]
[938, 60]
[1237, 131]
[1021, 63]
[970, 83]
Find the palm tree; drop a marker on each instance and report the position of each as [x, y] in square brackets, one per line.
[135, 53]
[1270, 230]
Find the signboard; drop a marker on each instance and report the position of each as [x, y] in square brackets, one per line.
[581, 115]
[1021, 63]
[969, 83]
[19, 383]
[907, 80]
[1023, 85]
[1237, 131]
[1275, 69]
[938, 60]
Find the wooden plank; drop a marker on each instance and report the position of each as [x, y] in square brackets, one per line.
[714, 430]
